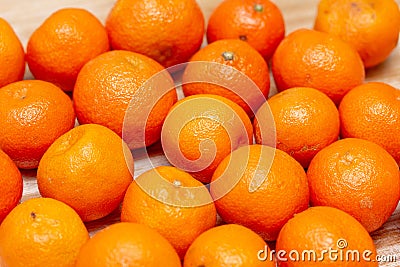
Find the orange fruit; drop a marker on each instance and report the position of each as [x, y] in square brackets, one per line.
[227, 245]
[308, 58]
[260, 23]
[306, 121]
[201, 130]
[63, 43]
[12, 55]
[169, 31]
[372, 27]
[127, 244]
[372, 111]
[358, 177]
[11, 185]
[33, 114]
[89, 168]
[235, 54]
[114, 81]
[42, 232]
[181, 219]
[259, 187]
[325, 236]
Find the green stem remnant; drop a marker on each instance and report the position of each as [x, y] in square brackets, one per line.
[227, 55]
[258, 8]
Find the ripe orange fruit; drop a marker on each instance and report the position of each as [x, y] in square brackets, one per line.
[66, 40]
[358, 177]
[238, 55]
[306, 121]
[89, 168]
[33, 114]
[12, 55]
[308, 58]
[42, 232]
[169, 31]
[112, 82]
[201, 130]
[260, 23]
[325, 236]
[11, 185]
[227, 245]
[372, 27]
[186, 213]
[127, 244]
[372, 111]
[259, 187]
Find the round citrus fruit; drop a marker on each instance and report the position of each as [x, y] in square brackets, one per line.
[127, 244]
[325, 236]
[306, 121]
[11, 185]
[201, 130]
[372, 111]
[259, 187]
[88, 168]
[42, 232]
[114, 81]
[227, 245]
[33, 114]
[12, 54]
[308, 58]
[181, 219]
[232, 54]
[358, 177]
[260, 23]
[372, 27]
[169, 31]
[66, 40]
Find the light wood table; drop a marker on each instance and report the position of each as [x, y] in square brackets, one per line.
[26, 15]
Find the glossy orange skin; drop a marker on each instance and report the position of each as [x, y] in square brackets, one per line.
[260, 23]
[42, 232]
[169, 31]
[320, 228]
[12, 55]
[209, 124]
[306, 121]
[308, 58]
[372, 27]
[127, 244]
[227, 245]
[282, 193]
[180, 225]
[372, 111]
[358, 177]
[89, 168]
[245, 59]
[109, 83]
[11, 185]
[33, 114]
[63, 43]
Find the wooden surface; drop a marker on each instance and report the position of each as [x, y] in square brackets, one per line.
[26, 15]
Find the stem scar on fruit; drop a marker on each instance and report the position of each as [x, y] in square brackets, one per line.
[258, 8]
[227, 55]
